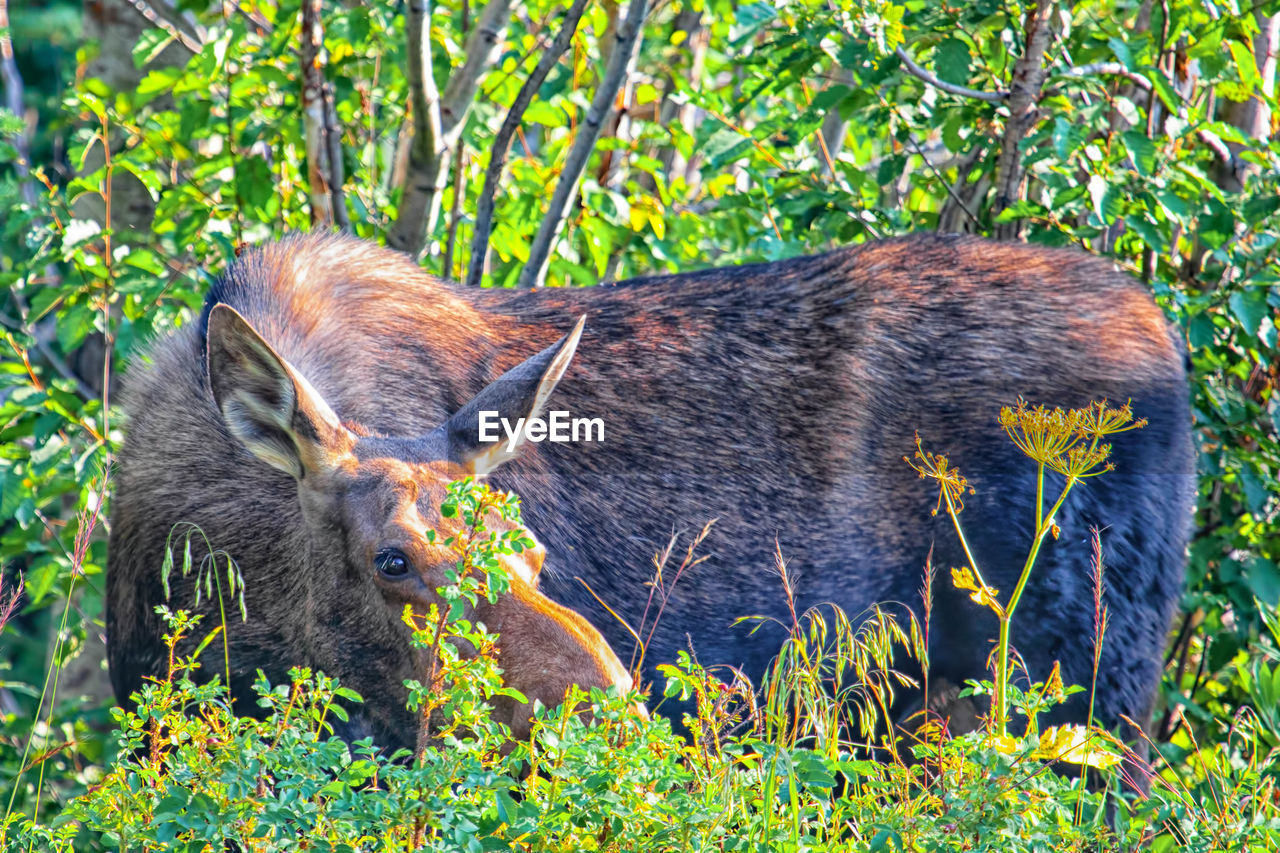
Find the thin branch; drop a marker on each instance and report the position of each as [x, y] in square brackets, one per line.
[437, 121]
[1216, 145]
[46, 352]
[336, 175]
[257, 21]
[951, 88]
[1024, 93]
[930, 78]
[164, 16]
[482, 48]
[455, 215]
[534, 273]
[1094, 69]
[834, 126]
[688, 63]
[502, 142]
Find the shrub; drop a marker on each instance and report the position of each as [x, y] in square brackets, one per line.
[792, 772]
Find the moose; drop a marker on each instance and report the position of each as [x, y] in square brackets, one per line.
[311, 419]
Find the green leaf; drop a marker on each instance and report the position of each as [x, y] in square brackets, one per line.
[1250, 307]
[148, 178]
[1264, 580]
[1121, 50]
[1216, 224]
[1067, 137]
[150, 44]
[1150, 232]
[1245, 65]
[1106, 199]
[1259, 208]
[951, 59]
[1141, 150]
[748, 18]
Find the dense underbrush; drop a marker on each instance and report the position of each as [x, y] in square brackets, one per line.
[804, 761]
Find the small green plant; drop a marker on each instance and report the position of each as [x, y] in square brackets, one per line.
[462, 673]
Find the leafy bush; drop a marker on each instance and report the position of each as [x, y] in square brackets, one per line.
[789, 775]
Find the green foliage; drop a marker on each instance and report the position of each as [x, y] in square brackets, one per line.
[768, 131]
[192, 775]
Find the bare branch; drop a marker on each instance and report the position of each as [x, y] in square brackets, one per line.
[336, 175]
[437, 121]
[502, 142]
[534, 273]
[1094, 69]
[164, 16]
[1024, 93]
[951, 88]
[1216, 145]
[455, 214]
[834, 126]
[324, 148]
[483, 46]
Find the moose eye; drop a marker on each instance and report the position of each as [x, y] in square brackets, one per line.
[391, 563]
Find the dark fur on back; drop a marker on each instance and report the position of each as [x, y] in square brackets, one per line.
[777, 398]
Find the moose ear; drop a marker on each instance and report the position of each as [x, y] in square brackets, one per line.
[266, 404]
[521, 392]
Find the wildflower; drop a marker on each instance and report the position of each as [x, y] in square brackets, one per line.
[1097, 420]
[1044, 435]
[1053, 688]
[951, 484]
[1081, 461]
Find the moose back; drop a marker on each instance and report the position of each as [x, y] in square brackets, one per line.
[309, 421]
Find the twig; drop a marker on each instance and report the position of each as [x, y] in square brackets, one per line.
[455, 214]
[502, 142]
[437, 121]
[52, 358]
[1024, 92]
[951, 88]
[534, 273]
[164, 16]
[333, 141]
[1094, 69]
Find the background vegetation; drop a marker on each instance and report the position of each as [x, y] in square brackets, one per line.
[508, 144]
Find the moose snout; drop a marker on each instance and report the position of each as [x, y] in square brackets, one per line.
[545, 649]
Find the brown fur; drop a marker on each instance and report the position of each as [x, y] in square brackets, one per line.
[776, 398]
